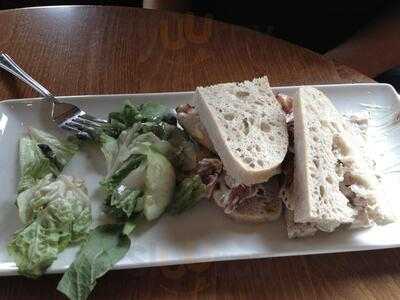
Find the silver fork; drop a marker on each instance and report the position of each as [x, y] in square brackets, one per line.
[65, 115]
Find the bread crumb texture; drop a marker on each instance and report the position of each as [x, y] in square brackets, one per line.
[250, 120]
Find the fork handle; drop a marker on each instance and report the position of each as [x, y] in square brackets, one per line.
[7, 63]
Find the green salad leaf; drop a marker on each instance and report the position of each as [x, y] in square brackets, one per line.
[130, 114]
[124, 202]
[40, 154]
[155, 112]
[185, 150]
[118, 151]
[104, 247]
[34, 248]
[139, 175]
[25, 199]
[129, 226]
[33, 164]
[55, 213]
[63, 150]
[188, 193]
[120, 121]
[109, 148]
[131, 167]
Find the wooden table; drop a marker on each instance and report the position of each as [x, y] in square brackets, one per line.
[96, 50]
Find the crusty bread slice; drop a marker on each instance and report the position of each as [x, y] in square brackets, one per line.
[247, 127]
[318, 133]
[334, 178]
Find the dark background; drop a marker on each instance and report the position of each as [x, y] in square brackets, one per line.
[316, 25]
[9, 4]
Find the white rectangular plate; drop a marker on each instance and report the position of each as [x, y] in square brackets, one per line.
[204, 233]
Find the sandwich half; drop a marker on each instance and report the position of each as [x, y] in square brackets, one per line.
[245, 126]
[334, 182]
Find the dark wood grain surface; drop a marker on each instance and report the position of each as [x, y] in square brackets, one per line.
[97, 50]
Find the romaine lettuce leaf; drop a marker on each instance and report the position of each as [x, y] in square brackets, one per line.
[118, 151]
[185, 150]
[63, 150]
[25, 198]
[155, 112]
[109, 148]
[132, 164]
[104, 247]
[129, 226]
[120, 121]
[132, 114]
[34, 248]
[189, 192]
[123, 202]
[33, 164]
[40, 154]
[55, 213]
[128, 153]
[166, 139]
[136, 164]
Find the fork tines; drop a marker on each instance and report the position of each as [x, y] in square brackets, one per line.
[84, 125]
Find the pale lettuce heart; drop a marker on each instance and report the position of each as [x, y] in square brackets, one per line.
[56, 213]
